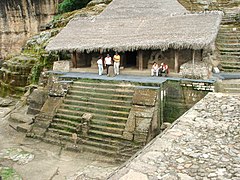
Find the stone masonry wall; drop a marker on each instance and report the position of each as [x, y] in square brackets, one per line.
[204, 143]
[144, 118]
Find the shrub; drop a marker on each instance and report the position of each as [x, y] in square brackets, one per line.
[71, 5]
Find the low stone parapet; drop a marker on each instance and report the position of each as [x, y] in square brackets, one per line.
[198, 70]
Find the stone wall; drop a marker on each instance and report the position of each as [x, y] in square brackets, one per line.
[197, 70]
[144, 118]
[21, 19]
[201, 144]
[181, 96]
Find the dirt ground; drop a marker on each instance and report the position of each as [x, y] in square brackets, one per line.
[32, 159]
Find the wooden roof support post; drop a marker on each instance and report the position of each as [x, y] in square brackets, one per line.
[74, 59]
[176, 58]
[140, 60]
[193, 61]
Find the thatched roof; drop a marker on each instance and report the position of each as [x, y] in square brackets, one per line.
[153, 31]
[142, 8]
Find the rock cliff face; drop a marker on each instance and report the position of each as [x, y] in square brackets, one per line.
[20, 19]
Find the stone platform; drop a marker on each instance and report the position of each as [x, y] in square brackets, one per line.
[204, 143]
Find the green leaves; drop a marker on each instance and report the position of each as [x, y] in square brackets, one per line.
[71, 5]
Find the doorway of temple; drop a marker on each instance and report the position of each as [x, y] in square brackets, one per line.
[131, 59]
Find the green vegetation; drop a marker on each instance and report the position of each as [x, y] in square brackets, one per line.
[8, 173]
[71, 5]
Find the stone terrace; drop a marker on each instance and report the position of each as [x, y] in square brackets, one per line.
[204, 143]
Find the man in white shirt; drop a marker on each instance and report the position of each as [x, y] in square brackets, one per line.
[108, 62]
[100, 66]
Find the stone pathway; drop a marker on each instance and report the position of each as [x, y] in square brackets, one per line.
[203, 144]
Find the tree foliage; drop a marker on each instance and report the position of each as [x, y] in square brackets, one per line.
[71, 5]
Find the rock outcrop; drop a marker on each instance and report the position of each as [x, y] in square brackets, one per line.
[21, 19]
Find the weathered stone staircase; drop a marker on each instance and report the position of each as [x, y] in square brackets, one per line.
[228, 44]
[201, 5]
[229, 86]
[228, 40]
[109, 105]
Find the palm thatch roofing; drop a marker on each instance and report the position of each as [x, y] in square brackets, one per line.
[146, 27]
[142, 8]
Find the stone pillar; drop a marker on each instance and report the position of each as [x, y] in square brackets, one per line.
[74, 59]
[86, 117]
[193, 61]
[140, 60]
[176, 58]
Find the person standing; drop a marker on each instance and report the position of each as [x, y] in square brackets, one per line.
[100, 66]
[116, 65]
[108, 62]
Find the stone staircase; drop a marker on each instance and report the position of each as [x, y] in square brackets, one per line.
[228, 40]
[229, 86]
[228, 44]
[109, 104]
[201, 5]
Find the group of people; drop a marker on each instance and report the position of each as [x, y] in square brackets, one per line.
[107, 62]
[115, 62]
[159, 70]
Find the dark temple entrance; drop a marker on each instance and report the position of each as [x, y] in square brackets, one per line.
[131, 59]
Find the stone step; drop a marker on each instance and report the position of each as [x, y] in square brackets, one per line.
[232, 90]
[230, 53]
[101, 95]
[106, 91]
[123, 157]
[54, 141]
[106, 134]
[97, 105]
[231, 86]
[107, 129]
[108, 123]
[230, 45]
[60, 132]
[77, 109]
[98, 100]
[229, 29]
[230, 32]
[64, 121]
[231, 49]
[66, 113]
[230, 63]
[88, 148]
[229, 57]
[63, 127]
[228, 36]
[65, 139]
[69, 117]
[103, 139]
[106, 85]
[60, 137]
[227, 41]
[230, 70]
[99, 145]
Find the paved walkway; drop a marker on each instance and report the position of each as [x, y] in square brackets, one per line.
[203, 144]
[127, 77]
[226, 76]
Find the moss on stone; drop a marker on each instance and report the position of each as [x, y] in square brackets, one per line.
[9, 173]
